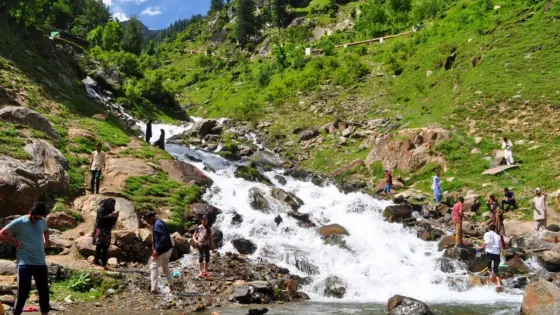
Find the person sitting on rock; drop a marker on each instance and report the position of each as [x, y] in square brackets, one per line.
[97, 165]
[162, 250]
[106, 219]
[509, 199]
[203, 239]
[436, 186]
[160, 143]
[457, 217]
[493, 246]
[389, 183]
[539, 215]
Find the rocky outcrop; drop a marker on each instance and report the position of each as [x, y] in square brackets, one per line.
[541, 298]
[181, 246]
[335, 287]
[467, 256]
[292, 200]
[86, 248]
[551, 260]
[185, 173]
[61, 221]
[201, 209]
[134, 245]
[408, 150]
[28, 117]
[203, 127]
[398, 213]
[244, 246]
[108, 79]
[402, 305]
[128, 218]
[258, 201]
[119, 170]
[25, 182]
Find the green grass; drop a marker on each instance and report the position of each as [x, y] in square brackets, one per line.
[10, 143]
[60, 206]
[94, 288]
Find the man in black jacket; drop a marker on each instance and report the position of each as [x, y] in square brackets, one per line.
[104, 223]
[162, 249]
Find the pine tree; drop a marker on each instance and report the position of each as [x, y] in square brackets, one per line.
[132, 39]
[88, 15]
[245, 25]
[112, 35]
[216, 5]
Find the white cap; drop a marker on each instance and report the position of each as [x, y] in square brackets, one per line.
[537, 189]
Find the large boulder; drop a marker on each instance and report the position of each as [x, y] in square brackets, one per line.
[251, 173]
[402, 305]
[181, 246]
[30, 118]
[8, 268]
[86, 248]
[244, 246]
[108, 79]
[292, 200]
[267, 159]
[332, 230]
[218, 237]
[185, 173]
[203, 127]
[39, 179]
[61, 221]
[128, 218]
[119, 170]
[308, 134]
[258, 201]
[335, 287]
[467, 256]
[201, 209]
[302, 218]
[551, 260]
[397, 213]
[541, 298]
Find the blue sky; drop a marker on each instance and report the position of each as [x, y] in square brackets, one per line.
[157, 14]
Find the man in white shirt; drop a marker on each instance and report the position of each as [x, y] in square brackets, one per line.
[539, 215]
[97, 166]
[493, 245]
[508, 151]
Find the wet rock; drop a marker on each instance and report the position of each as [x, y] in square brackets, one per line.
[308, 134]
[251, 173]
[544, 274]
[402, 305]
[541, 298]
[41, 178]
[468, 256]
[268, 159]
[218, 236]
[258, 201]
[303, 265]
[244, 246]
[446, 265]
[553, 228]
[517, 265]
[28, 117]
[185, 173]
[61, 221]
[302, 218]
[278, 220]
[203, 127]
[240, 294]
[292, 200]
[335, 287]
[551, 260]
[181, 246]
[427, 233]
[446, 242]
[264, 287]
[108, 79]
[257, 311]
[332, 230]
[398, 213]
[281, 180]
[201, 209]
[237, 219]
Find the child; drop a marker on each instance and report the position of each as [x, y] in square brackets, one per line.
[203, 239]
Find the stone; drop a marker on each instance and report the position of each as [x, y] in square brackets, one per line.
[475, 151]
[517, 265]
[100, 117]
[541, 298]
[553, 228]
[302, 218]
[278, 219]
[471, 205]
[108, 79]
[551, 260]
[24, 182]
[258, 201]
[123, 236]
[244, 246]
[61, 221]
[348, 168]
[281, 180]
[332, 230]
[117, 171]
[8, 268]
[266, 158]
[264, 287]
[308, 134]
[292, 200]
[477, 140]
[181, 246]
[201, 209]
[251, 173]
[86, 248]
[237, 219]
[113, 262]
[335, 287]
[218, 237]
[257, 311]
[402, 305]
[446, 265]
[544, 274]
[145, 236]
[91, 260]
[499, 169]
[28, 117]
[203, 127]
[186, 173]
[467, 256]
[397, 213]
[240, 294]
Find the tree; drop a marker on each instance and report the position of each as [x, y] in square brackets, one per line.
[245, 25]
[216, 5]
[279, 12]
[96, 36]
[112, 35]
[132, 39]
[89, 14]
[60, 15]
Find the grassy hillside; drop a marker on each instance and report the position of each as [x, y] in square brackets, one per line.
[428, 77]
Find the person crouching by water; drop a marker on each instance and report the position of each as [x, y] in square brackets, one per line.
[160, 143]
[162, 250]
[106, 219]
[31, 236]
[203, 239]
[493, 246]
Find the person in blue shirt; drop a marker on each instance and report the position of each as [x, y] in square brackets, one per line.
[436, 186]
[30, 234]
[509, 199]
[162, 250]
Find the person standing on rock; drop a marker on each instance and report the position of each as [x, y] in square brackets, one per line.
[162, 250]
[97, 165]
[497, 217]
[539, 215]
[31, 236]
[160, 143]
[436, 186]
[106, 219]
[457, 217]
[388, 183]
[507, 146]
[203, 239]
[149, 131]
[493, 246]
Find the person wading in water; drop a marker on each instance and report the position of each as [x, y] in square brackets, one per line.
[106, 219]
[203, 239]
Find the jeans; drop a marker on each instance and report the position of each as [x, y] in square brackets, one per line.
[95, 176]
[163, 261]
[388, 189]
[101, 255]
[41, 276]
[204, 253]
[509, 202]
[493, 263]
[438, 195]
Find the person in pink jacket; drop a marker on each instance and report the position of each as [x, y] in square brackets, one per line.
[457, 217]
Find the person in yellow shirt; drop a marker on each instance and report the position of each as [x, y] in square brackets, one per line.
[97, 166]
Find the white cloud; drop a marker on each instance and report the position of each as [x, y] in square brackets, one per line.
[120, 16]
[108, 2]
[151, 11]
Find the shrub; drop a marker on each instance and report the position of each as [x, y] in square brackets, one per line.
[81, 282]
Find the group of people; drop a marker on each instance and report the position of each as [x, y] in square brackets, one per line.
[30, 235]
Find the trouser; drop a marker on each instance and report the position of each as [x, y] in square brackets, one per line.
[95, 177]
[101, 255]
[493, 263]
[204, 254]
[148, 137]
[388, 189]
[41, 276]
[163, 261]
[540, 224]
[437, 196]
[458, 233]
[508, 202]
[509, 157]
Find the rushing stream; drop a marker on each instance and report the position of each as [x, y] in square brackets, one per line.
[384, 258]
